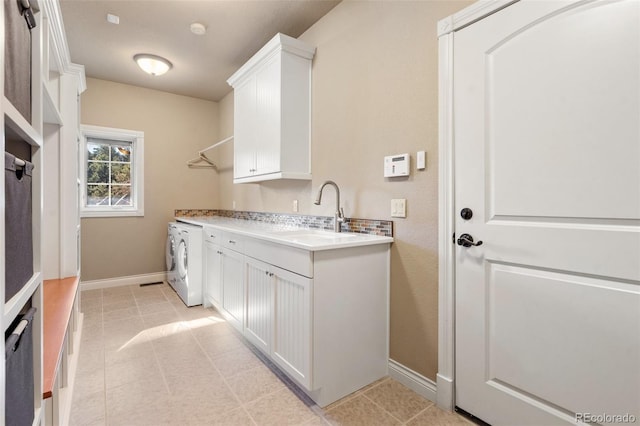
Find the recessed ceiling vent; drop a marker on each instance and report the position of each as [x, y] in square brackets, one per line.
[113, 19]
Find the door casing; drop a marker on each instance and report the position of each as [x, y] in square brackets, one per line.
[446, 223]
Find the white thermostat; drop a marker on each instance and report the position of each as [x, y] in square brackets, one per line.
[397, 165]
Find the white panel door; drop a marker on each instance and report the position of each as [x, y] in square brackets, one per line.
[268, 116]
[233, 281]
[213, 274]
[547, 157]
[244, 128]
[259, 324]
[292, 344]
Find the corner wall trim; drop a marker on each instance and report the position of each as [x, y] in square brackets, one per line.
[122, 281]
[414, 381]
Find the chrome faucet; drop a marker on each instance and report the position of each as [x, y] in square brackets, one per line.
[339, 215]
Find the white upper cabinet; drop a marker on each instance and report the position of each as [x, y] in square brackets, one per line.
[272, 113]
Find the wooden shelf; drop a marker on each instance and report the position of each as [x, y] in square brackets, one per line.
[59, 296]
[16, 122]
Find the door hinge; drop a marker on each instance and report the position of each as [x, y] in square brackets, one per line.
[453, 238]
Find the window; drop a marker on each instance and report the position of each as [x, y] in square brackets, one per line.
[112, 172]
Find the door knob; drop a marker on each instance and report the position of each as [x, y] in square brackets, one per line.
[466, 240]
[466, 213]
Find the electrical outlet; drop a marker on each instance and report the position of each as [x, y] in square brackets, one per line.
[399, 207]
[233, 205]
[295, 206]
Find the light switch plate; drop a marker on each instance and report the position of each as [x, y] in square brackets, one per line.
[399, 207]
[421, 160]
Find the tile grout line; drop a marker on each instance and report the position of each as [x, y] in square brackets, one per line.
[421, 411]
[224, 379]
[164, 378]
[383, 409]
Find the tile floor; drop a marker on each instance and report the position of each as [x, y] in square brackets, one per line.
[146, 359]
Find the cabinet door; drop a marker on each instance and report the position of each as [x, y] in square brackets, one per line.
[213, 275]
[292, 343]
[244, 109]
[268, 116]
[259, 304]
[233, 287]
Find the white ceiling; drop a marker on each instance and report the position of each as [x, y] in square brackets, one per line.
[236, 29]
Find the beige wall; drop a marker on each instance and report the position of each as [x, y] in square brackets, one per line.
[375, 93]
[175, 128]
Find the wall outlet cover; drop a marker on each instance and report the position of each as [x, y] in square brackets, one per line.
[399, 207]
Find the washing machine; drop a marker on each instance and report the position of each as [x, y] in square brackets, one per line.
[187, 280]
[170, 254]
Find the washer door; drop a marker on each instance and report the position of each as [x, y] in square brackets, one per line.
[170, 255]
[182, 260]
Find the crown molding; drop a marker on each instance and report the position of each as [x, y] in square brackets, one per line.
[58, 43]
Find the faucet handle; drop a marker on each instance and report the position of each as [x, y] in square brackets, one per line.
[341, 214]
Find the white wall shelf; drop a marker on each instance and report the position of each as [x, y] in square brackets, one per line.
[16, 122]
[13, 306]
[51, 112]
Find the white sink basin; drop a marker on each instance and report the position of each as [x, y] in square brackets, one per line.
[310, 236]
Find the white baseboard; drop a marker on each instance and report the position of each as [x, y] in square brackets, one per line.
[445, 393]
[414, 381]
[120, 281]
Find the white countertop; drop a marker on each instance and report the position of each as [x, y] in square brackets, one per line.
[307, 239]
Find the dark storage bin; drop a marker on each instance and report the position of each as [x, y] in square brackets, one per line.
[17, 57]
[18, 225]
[19, 386]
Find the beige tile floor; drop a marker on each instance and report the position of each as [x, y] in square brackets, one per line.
[147, 359]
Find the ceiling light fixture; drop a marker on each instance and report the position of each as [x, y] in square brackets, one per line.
[198, 29]
[152, 64]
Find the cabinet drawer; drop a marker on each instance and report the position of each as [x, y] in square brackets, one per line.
[292, 259]
[232, 241]
[212, 235]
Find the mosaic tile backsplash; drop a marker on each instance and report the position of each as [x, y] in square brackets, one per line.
[351, 224]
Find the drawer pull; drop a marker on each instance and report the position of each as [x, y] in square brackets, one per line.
[231, 242]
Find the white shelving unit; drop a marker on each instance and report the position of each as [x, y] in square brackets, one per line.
[17, 130]
[55, 87]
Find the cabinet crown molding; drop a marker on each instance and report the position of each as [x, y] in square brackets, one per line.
[280, 42]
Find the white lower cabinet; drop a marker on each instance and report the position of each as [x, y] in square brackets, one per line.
[233, 287]
[292, 344]
[278, 321]
[258, 328]
[320, 316]
[212, 275]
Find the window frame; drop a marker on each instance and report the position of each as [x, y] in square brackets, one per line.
[136, 138]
